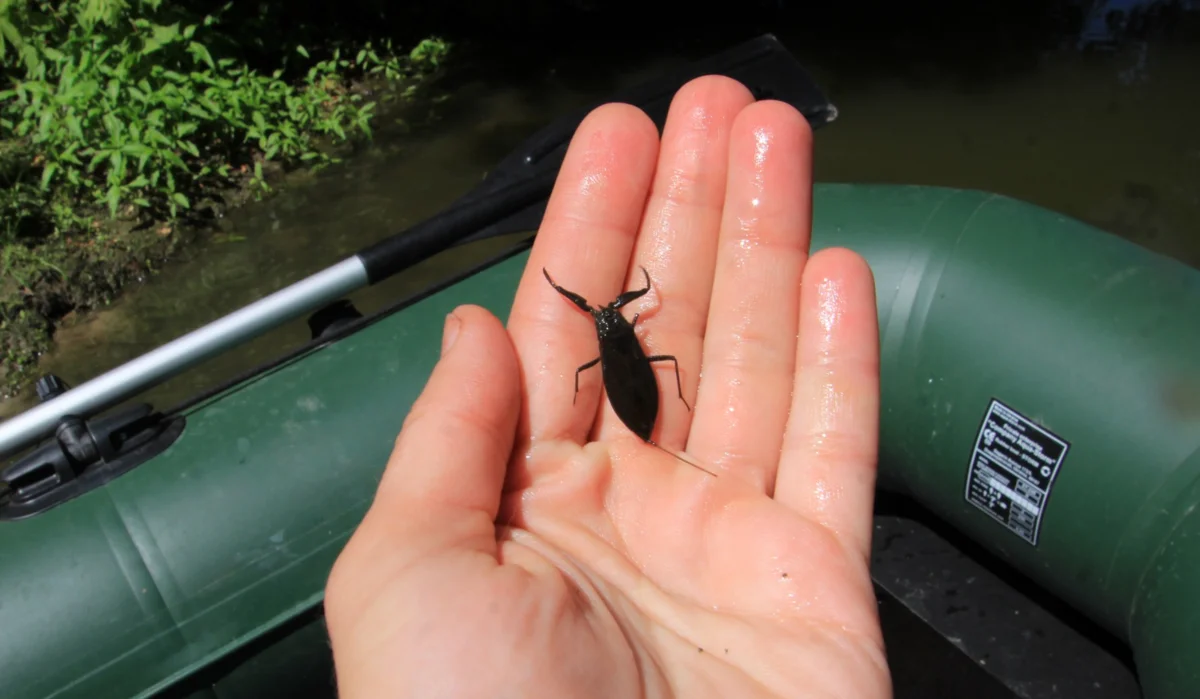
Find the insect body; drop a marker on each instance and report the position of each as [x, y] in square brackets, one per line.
[625, 368]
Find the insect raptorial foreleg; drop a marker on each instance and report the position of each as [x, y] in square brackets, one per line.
[578, 371]
[574, 297]
[631, 295]
[678, 381]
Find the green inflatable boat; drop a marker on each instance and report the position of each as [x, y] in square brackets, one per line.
[1041, 411]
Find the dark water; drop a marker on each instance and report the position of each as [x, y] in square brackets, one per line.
[1107, 137]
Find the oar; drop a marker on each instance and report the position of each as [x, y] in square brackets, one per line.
[510, 199]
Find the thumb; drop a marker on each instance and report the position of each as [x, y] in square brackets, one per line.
[442, 484]
[439, 493]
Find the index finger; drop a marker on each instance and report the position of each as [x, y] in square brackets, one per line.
[585, 242]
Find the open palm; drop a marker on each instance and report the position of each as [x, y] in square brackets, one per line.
[522, 544]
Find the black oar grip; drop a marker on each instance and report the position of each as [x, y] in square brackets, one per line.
[400, 251]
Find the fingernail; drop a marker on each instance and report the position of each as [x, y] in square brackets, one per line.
[450, 332]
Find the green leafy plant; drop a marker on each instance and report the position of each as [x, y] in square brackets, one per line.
[118, 115]
[141, 114]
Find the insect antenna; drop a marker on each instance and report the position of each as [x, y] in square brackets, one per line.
[678, 456]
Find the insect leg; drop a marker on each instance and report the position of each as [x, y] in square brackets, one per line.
[634, 321]
[589, 365]
[678, 382]
[574, 297]
[631, 295]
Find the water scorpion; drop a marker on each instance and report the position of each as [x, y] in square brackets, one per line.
[624, 366]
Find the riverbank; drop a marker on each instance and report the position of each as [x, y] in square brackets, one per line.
[127, 145]
[53, 283]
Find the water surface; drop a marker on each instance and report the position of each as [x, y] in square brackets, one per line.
[1109, 138]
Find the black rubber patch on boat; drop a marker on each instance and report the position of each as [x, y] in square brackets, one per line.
[1013, 468]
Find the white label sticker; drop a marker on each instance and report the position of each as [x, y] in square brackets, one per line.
[1013, 468]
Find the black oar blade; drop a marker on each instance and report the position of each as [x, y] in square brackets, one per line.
[513, 196]
[763, 65]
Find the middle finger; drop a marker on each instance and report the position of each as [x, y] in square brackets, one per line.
[677, 244]
[750, 344]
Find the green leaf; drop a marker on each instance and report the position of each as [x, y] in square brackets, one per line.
[155, 136]
[44, 125]
[98, 156]
[68, 155]
[116, 162]
[48, 175]
[302, 51]
[174, 160]
[137, 149]
[74, 127]
[113, 125]
[181, 200]
[162, 35]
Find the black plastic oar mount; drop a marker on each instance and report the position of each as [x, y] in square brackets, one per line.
[83, 454]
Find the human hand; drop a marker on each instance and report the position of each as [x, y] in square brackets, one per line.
[520, 545]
